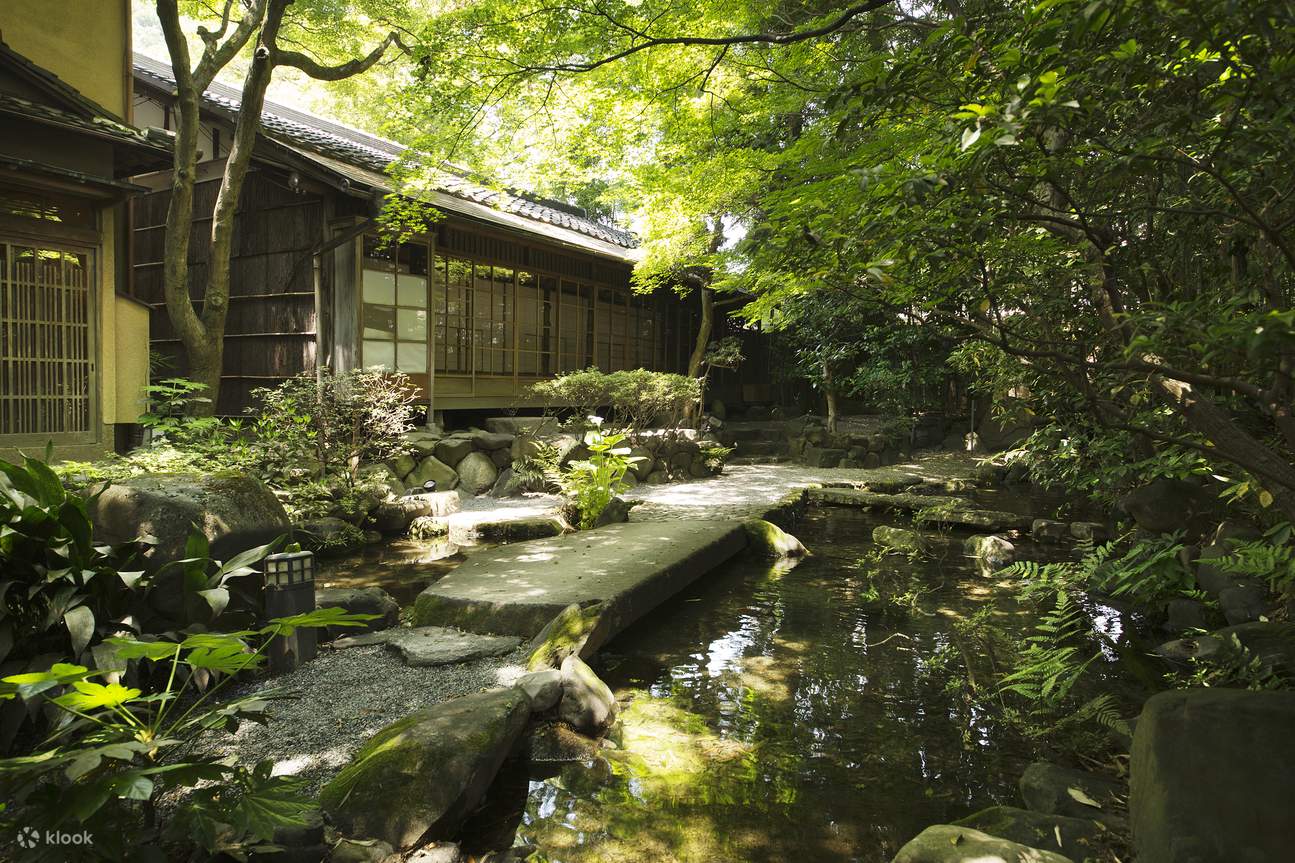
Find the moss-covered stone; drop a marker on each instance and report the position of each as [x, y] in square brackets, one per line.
[418, 778]
[946, 843]
[233, 510]
[564, 636]
[428, 527]
[898, 539]
[1076, 838]
[519, 529]
[768, 540]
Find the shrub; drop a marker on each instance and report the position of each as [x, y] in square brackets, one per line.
[634, 399]
[314, 427]
[590, 484]
[169, 412]
[715, 456]
[59, 588]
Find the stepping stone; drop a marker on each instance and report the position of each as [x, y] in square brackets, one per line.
[423, 646]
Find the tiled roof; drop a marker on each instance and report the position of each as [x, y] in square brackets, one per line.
[307, 132]
[102, 125]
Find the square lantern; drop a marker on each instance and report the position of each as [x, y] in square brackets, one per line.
[289, 590]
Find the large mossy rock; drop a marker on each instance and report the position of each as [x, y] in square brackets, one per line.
[948, 843]
[587, 704]
[991, 553]
[477, 473]
[766, 539]
[899, 539]
[453, 450]
[419, 778]
[1076, 838]
[519, 529]
[565, 635]
[1212, 777]
[234, 511]
[432, 468]
[1167, 505]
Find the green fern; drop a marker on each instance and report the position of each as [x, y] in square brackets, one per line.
[1054, 659]
[1270, 558]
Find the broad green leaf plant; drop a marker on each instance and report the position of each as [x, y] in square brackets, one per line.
[590, 484]
[116, 750]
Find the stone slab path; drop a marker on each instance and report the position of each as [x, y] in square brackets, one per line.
[742, 491]
[424, 646]
[517, 589]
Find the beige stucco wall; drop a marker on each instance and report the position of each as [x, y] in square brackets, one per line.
[131, 361]
[84, 42]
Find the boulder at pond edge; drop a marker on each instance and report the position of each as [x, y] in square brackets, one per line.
[948, 843]
[1211, 777]
[419, 778]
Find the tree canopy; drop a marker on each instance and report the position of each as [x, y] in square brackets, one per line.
[1089, 197]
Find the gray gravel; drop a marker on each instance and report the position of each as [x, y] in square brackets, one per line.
[343, 698]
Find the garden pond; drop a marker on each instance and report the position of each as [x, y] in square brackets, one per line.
[777, 712]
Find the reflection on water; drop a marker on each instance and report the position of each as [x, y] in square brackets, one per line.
[788, 715]
[402, 568]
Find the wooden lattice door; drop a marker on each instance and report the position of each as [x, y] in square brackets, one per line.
[47, 381]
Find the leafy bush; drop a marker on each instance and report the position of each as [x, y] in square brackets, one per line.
[590, 484]
[59, 588]
[539, 470]
[715, 456]
[169, 412]
[1270, 558]
[116, 750]
[310, 427]
[634, 399]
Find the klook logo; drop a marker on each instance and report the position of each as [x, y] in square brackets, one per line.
[30, 837]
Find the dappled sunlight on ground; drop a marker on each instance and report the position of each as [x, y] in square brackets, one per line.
[744, 490]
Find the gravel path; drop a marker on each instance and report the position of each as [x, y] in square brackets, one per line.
[342, 698]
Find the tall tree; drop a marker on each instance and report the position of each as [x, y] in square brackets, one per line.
[307, 36]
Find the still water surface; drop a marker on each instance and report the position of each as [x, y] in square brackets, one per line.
[789, 714]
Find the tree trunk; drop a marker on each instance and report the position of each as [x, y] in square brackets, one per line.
[697, 359]
[179, 214]
[704, 329]
[829, 393]
[202, 334]
[207, 351]
[1233, 442]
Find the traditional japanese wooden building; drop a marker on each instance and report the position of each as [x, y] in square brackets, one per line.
[505, 290]
[73, 343]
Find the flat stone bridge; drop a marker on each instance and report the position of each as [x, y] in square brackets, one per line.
[629, 568]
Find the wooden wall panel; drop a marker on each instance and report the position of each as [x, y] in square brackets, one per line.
[270, 328]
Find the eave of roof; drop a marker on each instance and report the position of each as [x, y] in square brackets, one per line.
[364, 158]
[108, 186]
[99, 127]
[375, 180]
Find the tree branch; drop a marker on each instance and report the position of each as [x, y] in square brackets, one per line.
[719, 41]
[320, 72]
